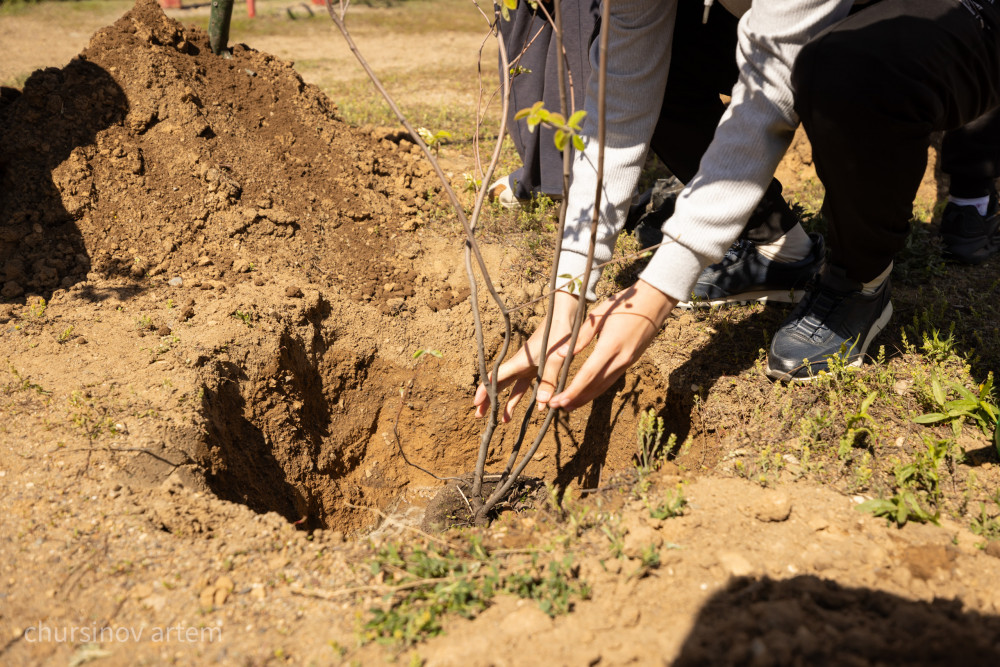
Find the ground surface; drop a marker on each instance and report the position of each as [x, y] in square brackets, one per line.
[215, 275]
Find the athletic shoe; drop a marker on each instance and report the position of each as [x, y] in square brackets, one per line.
[745, 275]
[833, 320]
[651, 209]
[969, 237]
[502, 191]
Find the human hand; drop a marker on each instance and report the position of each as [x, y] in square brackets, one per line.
[627, 324]
[522, 368]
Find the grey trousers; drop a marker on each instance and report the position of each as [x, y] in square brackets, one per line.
[531, 43]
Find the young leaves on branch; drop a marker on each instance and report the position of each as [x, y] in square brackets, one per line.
[435, 140]
[566, 130]
[574, 285]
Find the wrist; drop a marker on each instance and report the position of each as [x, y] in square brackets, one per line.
[657, 303]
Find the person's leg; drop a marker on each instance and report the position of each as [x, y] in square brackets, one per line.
[531, 47]
[970, 155]
[870, 91]
[526, 37]
[768, 263]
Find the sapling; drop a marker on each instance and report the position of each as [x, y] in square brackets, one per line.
[567, 127]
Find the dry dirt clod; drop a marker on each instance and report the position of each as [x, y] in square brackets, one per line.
[735, 564]
[773, 507]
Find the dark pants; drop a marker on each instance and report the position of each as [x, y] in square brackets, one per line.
[970, 155]
[870, 91]
[529, 32]
[703, 66]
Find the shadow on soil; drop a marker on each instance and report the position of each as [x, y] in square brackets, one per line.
[807, 620]
[58, 112]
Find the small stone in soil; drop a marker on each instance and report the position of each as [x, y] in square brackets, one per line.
[774, 507]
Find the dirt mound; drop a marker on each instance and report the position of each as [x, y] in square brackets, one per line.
[284, 264]
[149, 155]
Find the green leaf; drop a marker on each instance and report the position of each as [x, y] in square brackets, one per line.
[575, 120]
[996, 437]
[962, 404]
[561, 139]
[963, 391]
[901, 513]
[523, 113]
[867, 403]
[578, 142]
[938, 392]
[877, 507]
[930, 418]
[557, 118]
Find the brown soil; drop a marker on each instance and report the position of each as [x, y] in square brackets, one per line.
[279, 255]
[212, 291]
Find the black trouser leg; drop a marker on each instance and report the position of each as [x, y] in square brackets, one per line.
[703, 65]
[970, 155]
[870, 91]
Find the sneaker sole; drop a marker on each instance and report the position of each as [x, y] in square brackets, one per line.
[764, 296]
[876, 329]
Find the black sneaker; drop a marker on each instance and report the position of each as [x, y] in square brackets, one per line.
[969, 237]
[834, 319]
[648, 213]
[745, 275]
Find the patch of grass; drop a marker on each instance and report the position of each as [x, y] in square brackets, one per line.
[23, 383]
[36, 307]
[978, 407]
[920, 260]
[918, 485]
[427, 583]
[671, 504]
[987, 524]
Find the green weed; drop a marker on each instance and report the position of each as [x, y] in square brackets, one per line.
[245, 317]
[673, 504]
[979, 407]
[426, 584]
[918, 483]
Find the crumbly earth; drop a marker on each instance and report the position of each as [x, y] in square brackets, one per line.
[213, 289]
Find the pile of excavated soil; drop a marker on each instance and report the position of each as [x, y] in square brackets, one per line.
[149, 155]
[211, 226]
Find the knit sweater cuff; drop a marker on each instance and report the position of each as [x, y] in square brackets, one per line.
[674, 270]
[573, 264]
